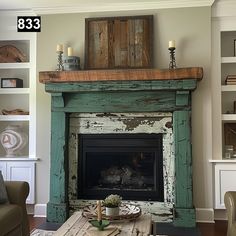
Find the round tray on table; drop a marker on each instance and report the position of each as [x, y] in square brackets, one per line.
[126, 212]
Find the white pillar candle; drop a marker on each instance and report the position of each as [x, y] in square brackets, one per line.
[70, 51]
[172, 44]
[59, 48]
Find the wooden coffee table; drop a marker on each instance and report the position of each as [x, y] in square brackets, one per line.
[79, 225]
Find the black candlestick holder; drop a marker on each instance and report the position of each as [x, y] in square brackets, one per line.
[172, 64]
[60, 66]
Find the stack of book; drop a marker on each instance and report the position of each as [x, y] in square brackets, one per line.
[230, 80]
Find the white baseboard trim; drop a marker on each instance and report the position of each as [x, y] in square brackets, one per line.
[40, 210]
[30, 209]
[205, 215]
[220, 214]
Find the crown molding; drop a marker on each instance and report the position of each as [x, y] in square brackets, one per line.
[222, 8]
[17, 12]
[122, 6]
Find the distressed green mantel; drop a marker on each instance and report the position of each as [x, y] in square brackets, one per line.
[122, 96]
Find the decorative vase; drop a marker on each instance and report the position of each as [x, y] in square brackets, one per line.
[13, 139]
[112, 211]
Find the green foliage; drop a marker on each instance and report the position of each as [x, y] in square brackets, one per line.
[112, 201]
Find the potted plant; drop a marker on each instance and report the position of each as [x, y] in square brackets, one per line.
[112, 203]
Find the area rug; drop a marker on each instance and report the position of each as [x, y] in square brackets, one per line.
[170, 230]
[46, 229]
[41, 232]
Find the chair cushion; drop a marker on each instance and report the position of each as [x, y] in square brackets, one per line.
[3, 192]
[10, 217]
[233, 229]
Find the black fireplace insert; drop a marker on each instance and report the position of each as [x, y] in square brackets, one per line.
[130, 165]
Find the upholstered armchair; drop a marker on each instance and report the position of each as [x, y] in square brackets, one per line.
[230, 204]
[13, 214]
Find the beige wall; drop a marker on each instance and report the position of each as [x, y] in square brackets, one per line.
[190, 27]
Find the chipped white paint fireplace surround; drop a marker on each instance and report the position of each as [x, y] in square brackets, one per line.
[125, 123]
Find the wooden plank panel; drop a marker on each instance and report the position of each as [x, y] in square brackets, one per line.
[185, 217]
[122, 86]
[183, 159]
[78, 225]
[58, 122]
[147, 52]
[143, 225]
[111, 51]
[98, 47]
[117, 42]
[131, 43]
[138, 42]
[121, 75]
[123, 44]
[68, 224]
[185, 214]
[57, 207]
[119, 102]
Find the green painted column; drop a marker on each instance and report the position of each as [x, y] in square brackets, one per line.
[184, 213]
[57, 208]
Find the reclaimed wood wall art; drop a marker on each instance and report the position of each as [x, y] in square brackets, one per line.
[119, 42]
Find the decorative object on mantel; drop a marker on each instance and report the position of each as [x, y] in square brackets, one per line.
[172, 64]
[71, 62]
[126, 212]
[119, 42]
[59, 58]
[13, 139]
[119, 75]
[10, 53]
[14, 112]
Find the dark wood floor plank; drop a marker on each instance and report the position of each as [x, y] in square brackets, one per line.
[34, 222]
[217, 229]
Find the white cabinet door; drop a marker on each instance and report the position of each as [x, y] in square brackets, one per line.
[3, 169]
[23, 171]
[225, 176]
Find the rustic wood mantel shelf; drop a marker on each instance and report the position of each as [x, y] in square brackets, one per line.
[120, 74]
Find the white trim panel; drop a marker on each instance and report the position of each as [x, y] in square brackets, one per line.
[225, 174]
[205, 215]
[122, 6]
[224, 8]
[40, 210]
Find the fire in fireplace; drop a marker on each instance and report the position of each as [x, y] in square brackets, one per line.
[127, 164]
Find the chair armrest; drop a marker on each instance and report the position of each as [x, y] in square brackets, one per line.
[230, 204]
[17, 191]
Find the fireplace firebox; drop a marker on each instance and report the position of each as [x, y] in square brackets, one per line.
[127, 164]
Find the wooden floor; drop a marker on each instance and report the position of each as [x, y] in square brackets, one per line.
[217, 229]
